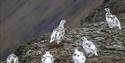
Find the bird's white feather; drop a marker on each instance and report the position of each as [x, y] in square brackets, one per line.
[58, 33]
[12, 58]
[47, 58]
[89, 47]
[78, 56]
[112, 20]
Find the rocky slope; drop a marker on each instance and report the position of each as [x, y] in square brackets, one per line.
[110, 44]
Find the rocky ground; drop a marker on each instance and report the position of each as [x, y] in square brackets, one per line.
[110, 44]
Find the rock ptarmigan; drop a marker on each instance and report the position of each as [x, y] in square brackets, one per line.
[78, 56]
[112, 20]
[12, 58]
[89, 47]
[58, 33]
[47, 58]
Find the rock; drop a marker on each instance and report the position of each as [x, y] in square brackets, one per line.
[92, 60]
[115, 47]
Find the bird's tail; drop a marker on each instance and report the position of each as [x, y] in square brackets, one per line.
[51, 41]
[96, 54]
[119, 27]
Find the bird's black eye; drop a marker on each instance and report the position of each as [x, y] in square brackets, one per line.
[86, 43]
[81, 40]
[74, 54]
[80, 53]
[83, 58]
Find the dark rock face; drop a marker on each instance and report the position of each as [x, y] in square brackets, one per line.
[24, 20]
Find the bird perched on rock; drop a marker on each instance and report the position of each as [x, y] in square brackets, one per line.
[112, 20]
[58, 33]
[47, 58]
[78, 56]
[89, 47]
[12, 58]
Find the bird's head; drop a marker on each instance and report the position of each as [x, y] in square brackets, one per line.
[13, 55]
[47, 52]
[84, 39]
[63, 21]
[107, 10]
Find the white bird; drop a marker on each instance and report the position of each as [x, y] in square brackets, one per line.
[78, 56]
[89, 47]
[58, 33]
[112, 20]
[12, 59]
[47, 58]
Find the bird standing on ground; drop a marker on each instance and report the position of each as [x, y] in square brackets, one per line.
[89, 47]
[58, 33]
[112, 20]
[78, 56]
[12, 58]
[47, 58]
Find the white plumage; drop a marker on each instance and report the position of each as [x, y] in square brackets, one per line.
[12, 59]
[58, 33]
[78, 56]
[89, 47]
[112, 20]
[47, 58]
